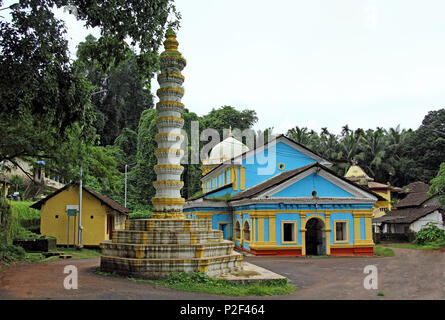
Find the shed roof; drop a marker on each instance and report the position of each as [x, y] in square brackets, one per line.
[407, 215]
[103, 199]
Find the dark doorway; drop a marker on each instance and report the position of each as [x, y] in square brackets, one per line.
[315, 238]
[110, 225]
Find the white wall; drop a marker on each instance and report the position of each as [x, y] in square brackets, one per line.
[435, 216]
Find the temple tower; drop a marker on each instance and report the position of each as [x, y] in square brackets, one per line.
[166, 243]
[168, 202]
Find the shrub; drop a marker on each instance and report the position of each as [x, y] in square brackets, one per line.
[430, 233]
[10, 253]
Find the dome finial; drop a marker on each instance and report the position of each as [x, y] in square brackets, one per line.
[170, 43]
[230, 131]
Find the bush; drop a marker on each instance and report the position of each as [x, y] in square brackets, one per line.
[10, 253]
[141, 212]
[429, 234]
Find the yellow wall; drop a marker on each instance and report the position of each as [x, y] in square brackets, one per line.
[94, 229]
[382, 204]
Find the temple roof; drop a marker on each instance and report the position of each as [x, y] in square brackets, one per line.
[225, 150]
[356, 174]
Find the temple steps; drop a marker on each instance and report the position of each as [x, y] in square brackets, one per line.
[166, 237]
[167, 251]
[158, 268]
[163, 225]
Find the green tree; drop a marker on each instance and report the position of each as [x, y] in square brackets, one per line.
[120, 92]
[42, 92]
[438, 185]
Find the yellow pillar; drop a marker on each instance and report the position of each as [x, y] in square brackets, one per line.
[328, 233]
[357, 228]
[272, 238]
[235, 178]
[242, 178]
[368, 227]
[303, 233]
[261, 230]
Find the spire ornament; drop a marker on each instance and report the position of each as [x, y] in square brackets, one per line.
[167, 201]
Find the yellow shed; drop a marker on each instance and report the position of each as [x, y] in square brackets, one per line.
[100, 216]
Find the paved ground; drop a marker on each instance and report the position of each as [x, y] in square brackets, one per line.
[411, 274]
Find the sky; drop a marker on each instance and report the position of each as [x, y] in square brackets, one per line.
[318, 63]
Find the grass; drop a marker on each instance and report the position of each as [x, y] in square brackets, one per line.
[383, 252]
[36, 257]
[427, 246]
[200, 282]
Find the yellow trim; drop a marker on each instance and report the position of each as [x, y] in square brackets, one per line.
[272, 236]
[170, 102]
[169, 118]
[170, 150]
[169, 135]
[242, 178]
[284, 166]
[347, 231]
[171, 74]
[261, 230]
[295, 231]
[173, 166]
[170, 89]
[235, 178]
[168, 182]
[168, 201]
[357, 231]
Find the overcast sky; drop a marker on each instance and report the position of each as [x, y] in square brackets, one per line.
[365, 63]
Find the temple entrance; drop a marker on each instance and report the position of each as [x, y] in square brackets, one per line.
[224, 227]
[315, 237]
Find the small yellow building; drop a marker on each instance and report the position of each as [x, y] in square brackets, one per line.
[100, 216]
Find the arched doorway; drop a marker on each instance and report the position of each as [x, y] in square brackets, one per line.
[315, 237]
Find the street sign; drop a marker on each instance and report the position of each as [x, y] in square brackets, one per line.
[71, 212]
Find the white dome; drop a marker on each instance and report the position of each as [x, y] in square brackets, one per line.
[226, 150]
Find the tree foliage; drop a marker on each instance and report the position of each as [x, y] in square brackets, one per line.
[394, 155]
[438, 185]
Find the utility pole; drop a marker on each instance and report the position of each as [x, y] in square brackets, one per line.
[125, 188]
[125, 201]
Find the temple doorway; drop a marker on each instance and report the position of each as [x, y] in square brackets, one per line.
[315, 237]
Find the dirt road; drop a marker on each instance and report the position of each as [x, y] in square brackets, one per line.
[410, 274]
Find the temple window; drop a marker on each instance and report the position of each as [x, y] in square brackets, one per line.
[246, 231]
[237, 230]
[341, 231]
[289, 231]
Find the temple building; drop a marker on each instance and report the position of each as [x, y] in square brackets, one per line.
[282, 199]
[383, 204]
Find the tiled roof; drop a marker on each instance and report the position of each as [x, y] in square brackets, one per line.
[270, 182]
[407, 215]
[103, 199]
[210, 192]
[417, 186]
[278, 179]
[413, 199]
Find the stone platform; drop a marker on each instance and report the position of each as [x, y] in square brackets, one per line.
[154, 248]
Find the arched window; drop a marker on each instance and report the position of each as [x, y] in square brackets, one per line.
[246, 231]
[237, 230]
